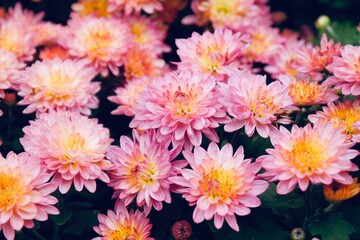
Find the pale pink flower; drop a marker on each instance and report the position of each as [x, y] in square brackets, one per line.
[47, 33]
[315, 60]
[71, 147]
[343, 115]
[149, 33]
[220, 184]
[10, 68]
[58, 84]
[286, 61]
[54, 51]
[212, 53]
[142, 168]
[16, 37]
[101, 41]
[305, 92]
[265, 42]
[123, 225]
[24, 193]
[254, 104]
[181, 106]
[236, 14]
[346, 70]
[24, 16]
[136, 6]
[142, 62]
[128, 95]
[318, 154]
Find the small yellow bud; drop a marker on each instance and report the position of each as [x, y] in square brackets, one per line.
[322, 22]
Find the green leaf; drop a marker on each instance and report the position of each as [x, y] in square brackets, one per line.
[331, 227]
[268, 197]
[62, 218]
[80, 221]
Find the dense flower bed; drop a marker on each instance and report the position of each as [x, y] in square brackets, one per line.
[252, 133]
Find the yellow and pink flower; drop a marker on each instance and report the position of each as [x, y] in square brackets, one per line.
[253, 104]
[220, 184]
[101, 41]
[59, 84]
[123, 225]
[141, 171]
[136, 6]
[181, 106]
[71, 147]
[212, 53]
[24, 193]
[319, 155]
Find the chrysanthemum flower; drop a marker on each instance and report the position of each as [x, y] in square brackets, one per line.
[141, 170]
[71, 147]
[286, 61]
[264, 43]
[181, 106]
[317, 59]
[123, 225]
[47, 33]
[17, 38]
[148, 33]
[54, 51]
[24, 193]
[305, 92]
[141, 62]
[254, 104]
[9, 70]
[96, 8]
[346, 71]
[58, 84]
[236, 15]
[318, 154]
[213, 53]
[220, 184]
[128, 95]
[101, 41]
[337, 192]
[135, 6]
[24, 16]
[343, 116]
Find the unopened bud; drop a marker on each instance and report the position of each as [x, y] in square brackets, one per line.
[181, 230]
[322, 22]
[297, 234]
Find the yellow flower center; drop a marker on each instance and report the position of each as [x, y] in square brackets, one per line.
[99, 7]
[57, 86]
[71, 144]
[183, 102]
[263, 105]
[305, 92]
[212, 58]
[307, 155]
[10, 187]
[123, 233]
[143, 171]
[138, 30]
[345, 116]
[258, 44]
[218, 184]
[98, 40]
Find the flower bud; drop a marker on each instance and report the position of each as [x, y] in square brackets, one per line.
[181, 230]
[322, 22]
[297, 234]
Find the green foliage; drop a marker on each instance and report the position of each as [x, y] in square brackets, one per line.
[331, 227]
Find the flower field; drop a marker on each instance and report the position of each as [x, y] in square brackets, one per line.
[179, 120]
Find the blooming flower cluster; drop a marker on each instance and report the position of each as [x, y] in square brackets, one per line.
[246, 107]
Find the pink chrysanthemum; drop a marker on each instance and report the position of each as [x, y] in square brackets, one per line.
[318, 154]
[346, 70]
[286, 61]
[96, 8]
[149, 33]
[17, 38]
[142, 170]
[305, 92]
[54, 51]
[128, 95]
[123, 225]
[71, 147]
[24, 193]
[220, 184]
[101, 41]
[47, 33]
[24, 16]
[317, 59]
[9, 70]
[343, 116]
[254, 104]
[58, 84]
[135, 6]
[213, 53]
[236, 14]
[264, 43]
[181, 106]
[142, 62]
